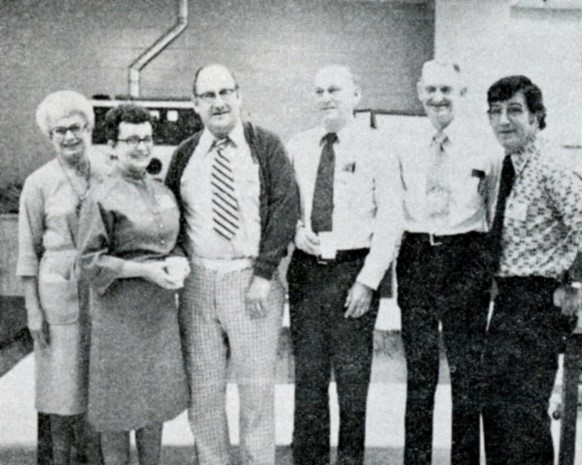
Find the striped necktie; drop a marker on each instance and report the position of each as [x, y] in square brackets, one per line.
[225, 215]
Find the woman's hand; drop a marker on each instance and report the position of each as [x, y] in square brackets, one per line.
[177, 267]
[156, 273]
[38, 328]
[36, 321]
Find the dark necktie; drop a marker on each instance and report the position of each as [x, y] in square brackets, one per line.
[321, 214]
[224, 201]
[505, 186]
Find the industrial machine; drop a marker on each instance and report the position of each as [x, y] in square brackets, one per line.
[174, 121]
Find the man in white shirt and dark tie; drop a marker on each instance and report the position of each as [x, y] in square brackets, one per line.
[239, 205]
[449, 179]
[345, 239]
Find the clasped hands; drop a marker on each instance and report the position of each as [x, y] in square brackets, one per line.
[359, 296]
[169, 273]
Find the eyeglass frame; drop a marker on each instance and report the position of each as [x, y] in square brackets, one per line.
[211, 96]
[61, 131]
[511, 112]
[134, 141]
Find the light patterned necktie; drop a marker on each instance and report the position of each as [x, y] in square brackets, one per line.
[225, 214]
[438, 189]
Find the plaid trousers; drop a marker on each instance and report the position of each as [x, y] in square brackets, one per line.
[216, 327]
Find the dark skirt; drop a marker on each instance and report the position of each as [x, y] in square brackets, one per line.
[136, 372]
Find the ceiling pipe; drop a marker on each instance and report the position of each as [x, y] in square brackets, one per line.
[141, 61]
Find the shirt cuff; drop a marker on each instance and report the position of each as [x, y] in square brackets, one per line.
[370, 278]
[27, 267]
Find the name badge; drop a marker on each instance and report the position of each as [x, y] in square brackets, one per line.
[517, 211]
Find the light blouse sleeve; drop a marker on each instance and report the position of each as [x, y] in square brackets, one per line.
[96, 228]
[30, 229]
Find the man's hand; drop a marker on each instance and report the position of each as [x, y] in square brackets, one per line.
[257, 296]
[569, 299]
[358, 300]
[307, 240]
[38, 328]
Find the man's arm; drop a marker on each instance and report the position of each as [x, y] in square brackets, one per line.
[387, 231]
[282, 208]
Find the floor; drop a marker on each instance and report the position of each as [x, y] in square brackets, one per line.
[385, 428]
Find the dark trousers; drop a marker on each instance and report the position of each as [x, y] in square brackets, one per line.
[323, 339]
[520, 364]
[447, 283]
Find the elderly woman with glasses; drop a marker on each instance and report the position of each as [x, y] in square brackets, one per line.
[56, 301]
[129, 226]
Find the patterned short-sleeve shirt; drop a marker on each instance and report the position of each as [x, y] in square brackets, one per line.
[542, 229]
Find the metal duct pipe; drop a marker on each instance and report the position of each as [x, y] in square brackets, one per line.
[141, 61]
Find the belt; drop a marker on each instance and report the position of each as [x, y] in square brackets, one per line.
[511, 282]
[341, 256]
[234, 264]
[436, 240]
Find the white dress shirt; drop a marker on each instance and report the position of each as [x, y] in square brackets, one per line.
[203, 240]
[366, 197]
[473, 168]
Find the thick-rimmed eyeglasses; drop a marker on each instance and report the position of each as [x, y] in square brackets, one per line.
[511, 112]
[210, 96]
[134, 141]
[61, 131]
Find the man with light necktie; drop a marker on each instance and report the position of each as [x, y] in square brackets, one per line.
[449, 181]
[239, 205]
[345, 240]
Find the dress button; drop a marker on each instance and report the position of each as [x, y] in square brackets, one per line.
[162, 241]
[161, 226]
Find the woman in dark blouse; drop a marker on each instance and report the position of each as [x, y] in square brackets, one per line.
[128, 229]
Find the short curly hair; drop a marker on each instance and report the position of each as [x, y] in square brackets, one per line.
[125, 113]
[507, 87]
[62, 104]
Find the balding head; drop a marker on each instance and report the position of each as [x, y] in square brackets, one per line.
[217, 99]
[336, 96]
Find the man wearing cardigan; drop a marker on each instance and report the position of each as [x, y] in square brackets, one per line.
[239, 208]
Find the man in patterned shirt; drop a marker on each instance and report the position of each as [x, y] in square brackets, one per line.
[536, 234]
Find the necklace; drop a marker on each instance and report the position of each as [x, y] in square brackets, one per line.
[80, 195]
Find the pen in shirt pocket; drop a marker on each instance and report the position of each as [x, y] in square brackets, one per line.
[350, 167]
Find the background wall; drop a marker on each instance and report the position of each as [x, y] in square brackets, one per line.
[274, 46]
[492, 39]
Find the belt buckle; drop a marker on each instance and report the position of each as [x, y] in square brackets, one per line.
[433, 242]
[322, 261]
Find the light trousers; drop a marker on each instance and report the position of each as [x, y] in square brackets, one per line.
[216, 329]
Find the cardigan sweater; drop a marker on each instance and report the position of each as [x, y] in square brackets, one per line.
[278, 198]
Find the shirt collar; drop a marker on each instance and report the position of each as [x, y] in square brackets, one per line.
[236, 136]
[522, 155]
[342, 135]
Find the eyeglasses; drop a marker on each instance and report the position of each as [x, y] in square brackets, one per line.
[61, 131]
[210, 96]
[134, 141]
[511, 112]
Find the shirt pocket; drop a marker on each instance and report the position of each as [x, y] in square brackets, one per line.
[469, 189]
[59, 298]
